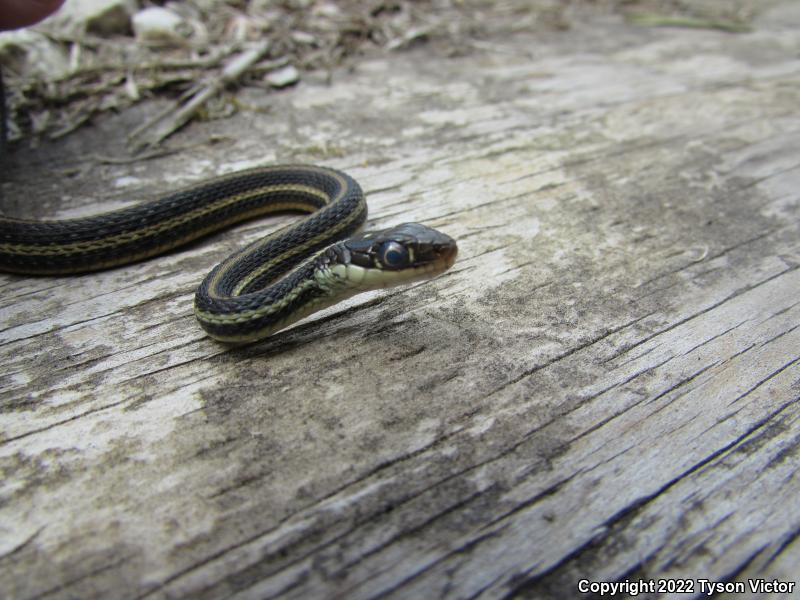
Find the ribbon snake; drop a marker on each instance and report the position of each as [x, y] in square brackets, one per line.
[263, 287]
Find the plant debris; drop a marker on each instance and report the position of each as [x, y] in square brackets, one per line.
[179, 50]
[647, 20]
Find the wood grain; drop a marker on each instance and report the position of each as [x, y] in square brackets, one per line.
[606, 386]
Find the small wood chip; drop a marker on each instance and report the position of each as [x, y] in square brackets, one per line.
[284, 77]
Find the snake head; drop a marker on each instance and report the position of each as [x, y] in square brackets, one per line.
[400, 254]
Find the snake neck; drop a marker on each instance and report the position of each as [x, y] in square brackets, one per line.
[325, 282]
[315, 284]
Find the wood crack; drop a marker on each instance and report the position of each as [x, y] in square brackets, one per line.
[764, 380]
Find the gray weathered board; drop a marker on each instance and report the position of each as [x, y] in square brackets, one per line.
[605, 386]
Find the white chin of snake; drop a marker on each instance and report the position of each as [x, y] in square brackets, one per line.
[371, 279]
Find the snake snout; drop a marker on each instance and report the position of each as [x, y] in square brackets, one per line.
[447, 253]
[432, 246]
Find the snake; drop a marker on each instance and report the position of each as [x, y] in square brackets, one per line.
[266, 285]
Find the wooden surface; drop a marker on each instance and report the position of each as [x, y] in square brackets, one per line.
[606, 386]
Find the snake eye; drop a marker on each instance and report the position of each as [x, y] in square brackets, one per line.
[393, 255]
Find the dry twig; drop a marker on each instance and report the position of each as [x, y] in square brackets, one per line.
[152, 132]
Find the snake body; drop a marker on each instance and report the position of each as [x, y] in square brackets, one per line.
[263, 287]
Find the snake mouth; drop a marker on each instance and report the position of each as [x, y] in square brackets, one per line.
[399, 255]
[432, 259]
[433, 251]
[444, 256]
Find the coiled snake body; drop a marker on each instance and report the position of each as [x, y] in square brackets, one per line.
[263, 287]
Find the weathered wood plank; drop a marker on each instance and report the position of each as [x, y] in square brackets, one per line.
[605, 386]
